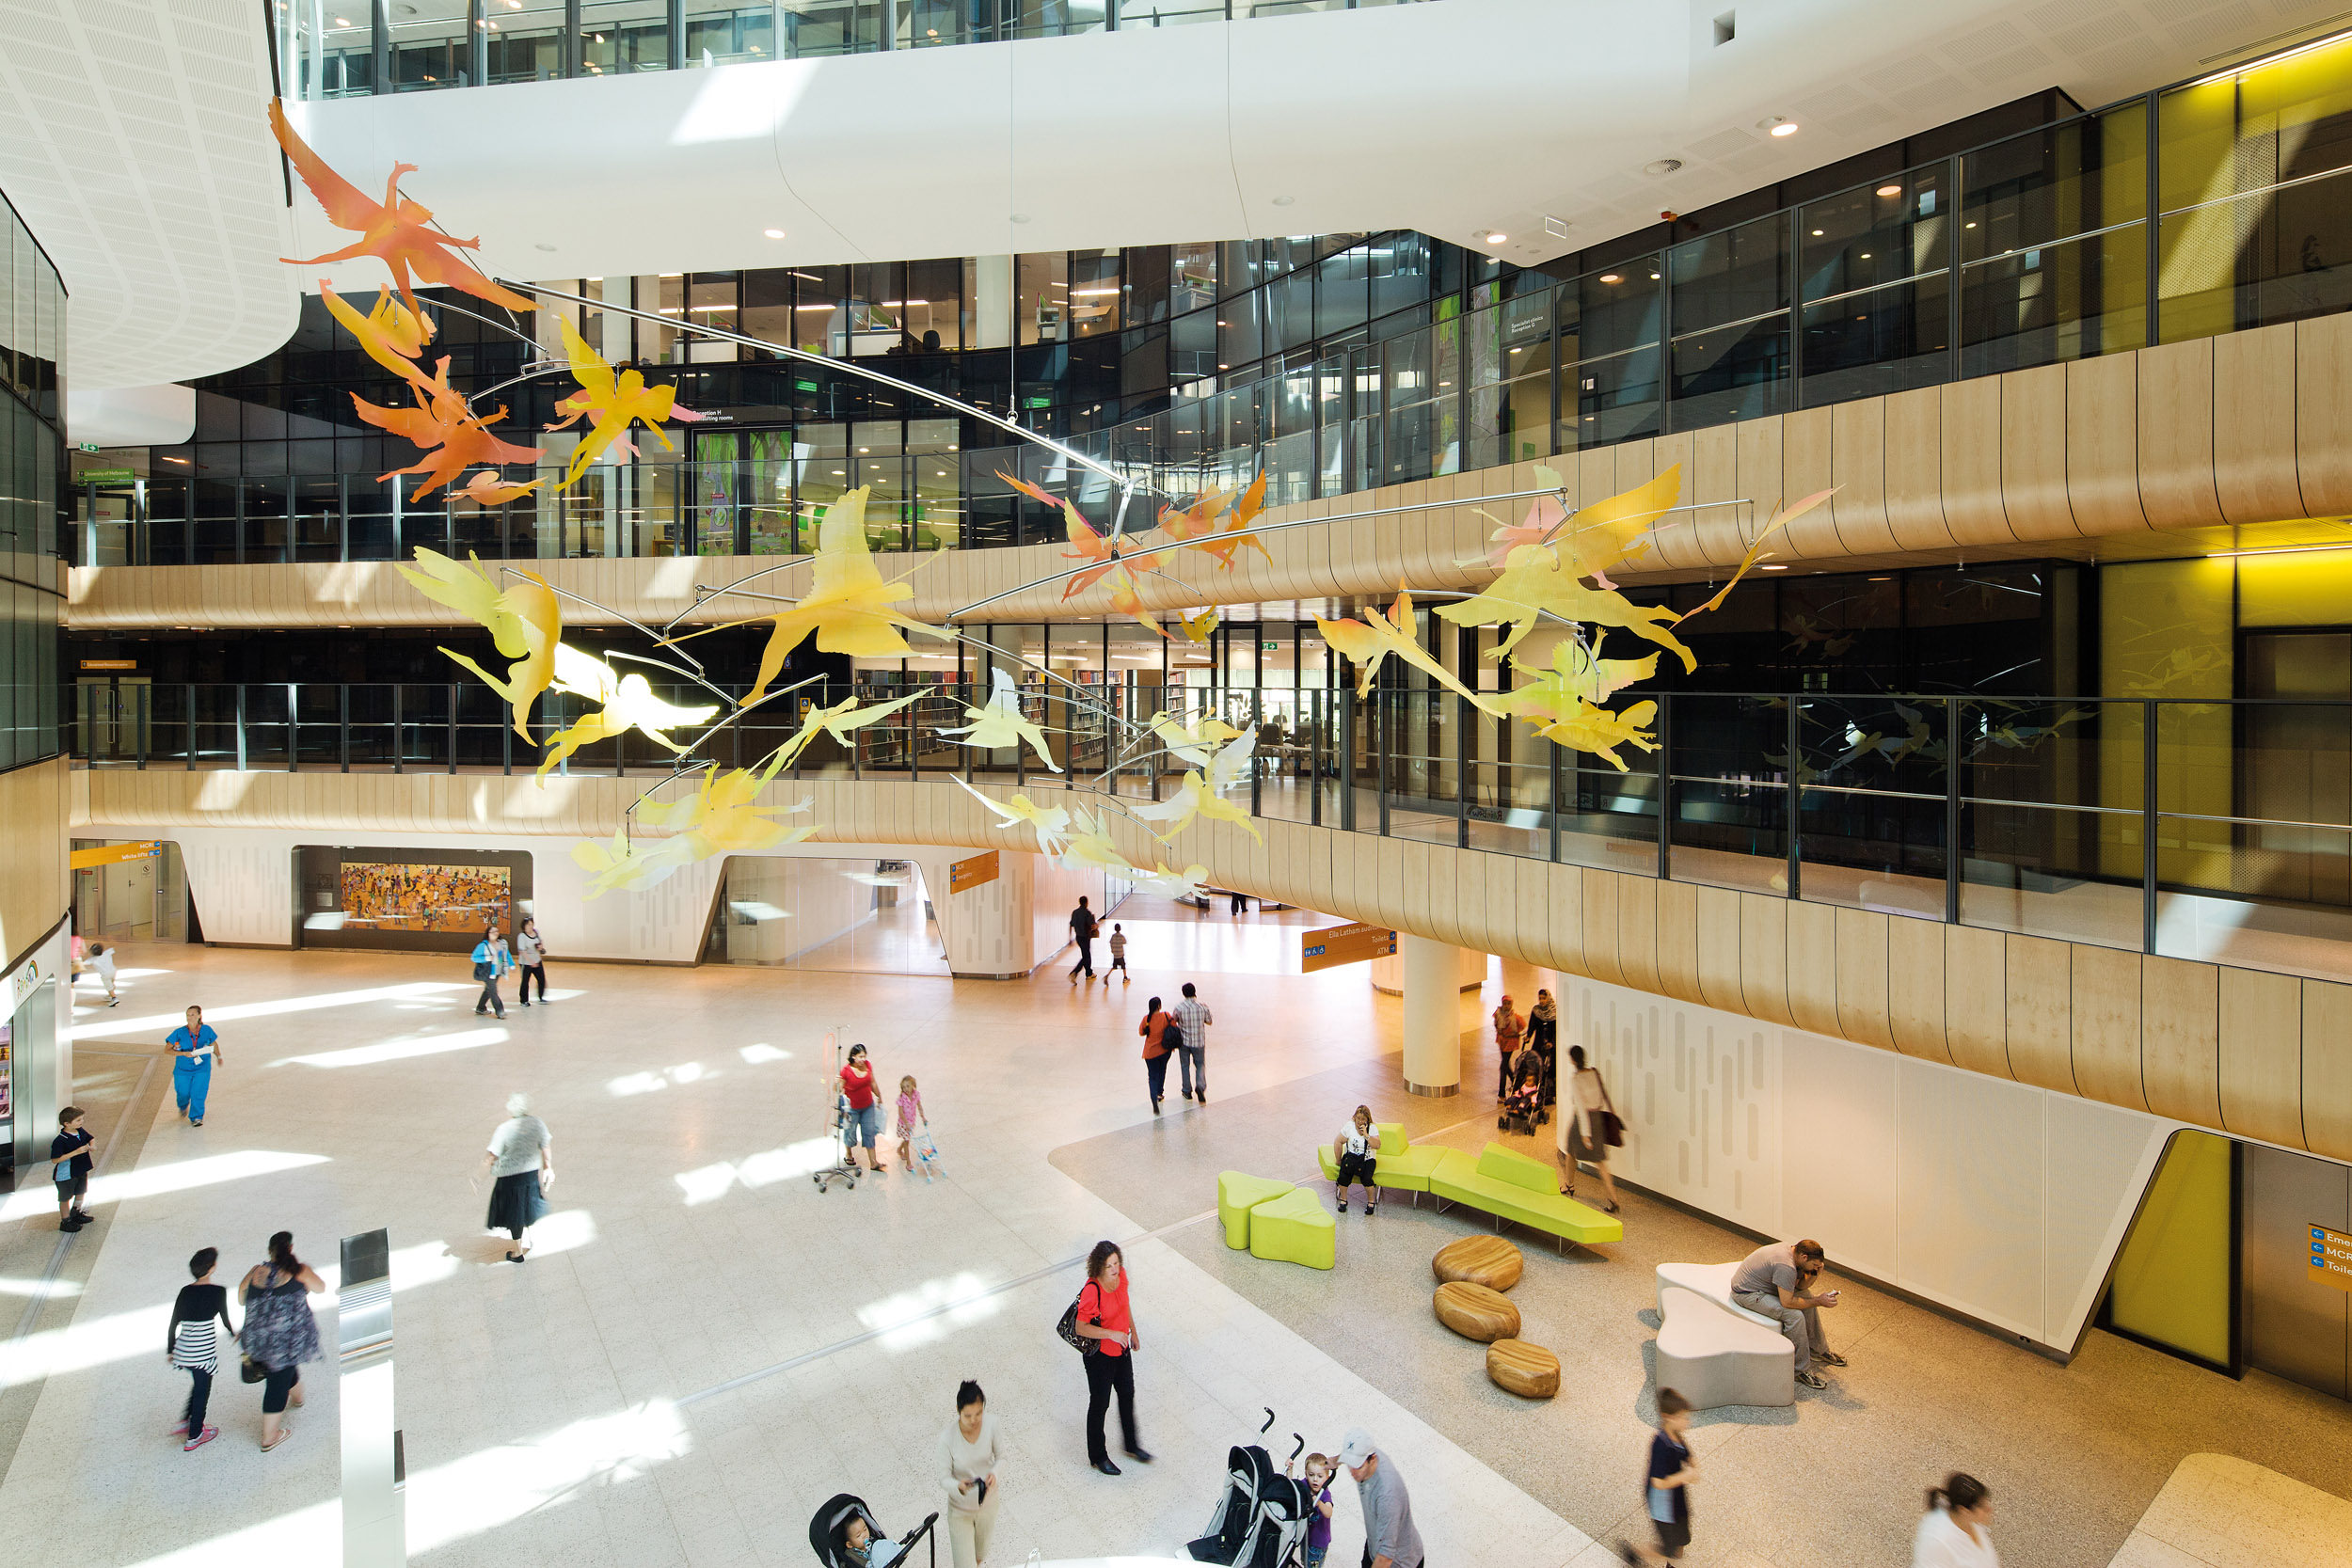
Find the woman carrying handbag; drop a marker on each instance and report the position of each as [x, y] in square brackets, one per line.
[1589, 1130]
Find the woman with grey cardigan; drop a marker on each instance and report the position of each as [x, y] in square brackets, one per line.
[968, 1452]
[521, 1157]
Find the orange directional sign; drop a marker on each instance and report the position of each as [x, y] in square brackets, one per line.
[1334, 945]
[113, 854]
[965, 874]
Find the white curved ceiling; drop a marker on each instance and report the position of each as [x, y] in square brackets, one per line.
[132, 141]
[135, 141]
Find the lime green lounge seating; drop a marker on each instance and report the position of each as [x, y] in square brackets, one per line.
[1400, 1164]
[1511, 1186]
[1237, 1193]
[1293, 1228]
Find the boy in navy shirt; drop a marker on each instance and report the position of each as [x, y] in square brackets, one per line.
[69, 1154]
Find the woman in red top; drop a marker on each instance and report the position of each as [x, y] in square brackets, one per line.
[863, 1124]
[1152, 1028]
[1105, 1317]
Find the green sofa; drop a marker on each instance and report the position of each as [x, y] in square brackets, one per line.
[1237, 1193]
[1399, 1165]
[1511, 1186]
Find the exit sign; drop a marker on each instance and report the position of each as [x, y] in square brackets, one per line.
[89, 446]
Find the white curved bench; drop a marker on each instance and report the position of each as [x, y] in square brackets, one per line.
[1712, 1281]
[1713, 1359]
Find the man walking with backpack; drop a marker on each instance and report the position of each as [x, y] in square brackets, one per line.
[1192, 1020]
[1082, 928]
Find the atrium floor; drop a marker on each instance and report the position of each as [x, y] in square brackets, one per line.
[704, 1346]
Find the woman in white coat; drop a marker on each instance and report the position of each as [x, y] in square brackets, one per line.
[1954, 1532]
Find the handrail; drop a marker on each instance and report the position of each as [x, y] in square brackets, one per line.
[1435, 775]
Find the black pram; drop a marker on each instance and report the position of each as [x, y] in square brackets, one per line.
[1261, 1515]
[828, 1533]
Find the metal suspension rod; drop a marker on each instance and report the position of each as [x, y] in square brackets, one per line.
[849, 367]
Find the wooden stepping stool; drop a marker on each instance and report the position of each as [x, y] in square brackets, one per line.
[1488, 1260]
[1476, 1312]
[1528, 1370]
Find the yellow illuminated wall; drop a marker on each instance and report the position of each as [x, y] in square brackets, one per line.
[2172, 1276]
[2301, 588]
[2167, 629]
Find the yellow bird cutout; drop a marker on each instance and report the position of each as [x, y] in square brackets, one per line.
[1198, 627]
[1187, 883]
[1398, 631]
[1197, 743]
[838, 721]
[615, 403]
[1090, 846]
[524, 621]
[998, 722]
[1782, 517]
[1600, 732]
[848, 605]
[1195, 799]
[1575, 675]
[391, 334]
[1230, 537]
[723, 816]
[623, 703]
[1189, 524]
[1537, 583]
[1614, 531]
[1051, 825]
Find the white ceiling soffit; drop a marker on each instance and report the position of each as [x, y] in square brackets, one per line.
[133, 141]
[1457, 119]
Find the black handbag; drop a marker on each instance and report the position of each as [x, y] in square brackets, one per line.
[1605, 1121]
[250, 1370]
[1068, 1327]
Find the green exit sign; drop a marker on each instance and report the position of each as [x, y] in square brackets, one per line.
[89, 446]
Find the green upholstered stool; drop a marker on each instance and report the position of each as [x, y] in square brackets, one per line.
[1237, 1193]
[1294, 1228]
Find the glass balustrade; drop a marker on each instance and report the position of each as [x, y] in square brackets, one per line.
[2058, 830]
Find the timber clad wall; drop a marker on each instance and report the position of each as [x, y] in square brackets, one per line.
[35, 885]
[2092, 458]
[2265, 1056]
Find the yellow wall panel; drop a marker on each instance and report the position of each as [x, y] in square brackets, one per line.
[33, 875]
[2173, 1274]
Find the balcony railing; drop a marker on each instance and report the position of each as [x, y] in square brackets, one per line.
[2032, 251]
[458, 43]
[2218, 830]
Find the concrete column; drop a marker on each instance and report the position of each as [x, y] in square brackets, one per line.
[1433, 1015]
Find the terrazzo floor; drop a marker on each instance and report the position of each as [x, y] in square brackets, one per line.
[704, 1346]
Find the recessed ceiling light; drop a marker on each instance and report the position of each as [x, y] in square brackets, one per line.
[543, 246]
[1889, 190]
[1611, 277]
[1777, 125]
[1816, 233]
[774, 233]
[1019, 217]
[1661, 166]
[1284, 200]
[1768, 566]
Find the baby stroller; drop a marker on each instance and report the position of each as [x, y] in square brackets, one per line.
[828, 1536]
[1522, 1108]
[1261, 1515]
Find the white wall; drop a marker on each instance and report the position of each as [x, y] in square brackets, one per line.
[242, 879]
[1999, 1200]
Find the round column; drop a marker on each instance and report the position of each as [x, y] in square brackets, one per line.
[1433, 1015]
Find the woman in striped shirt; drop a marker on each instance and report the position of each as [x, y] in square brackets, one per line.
[193, 1344]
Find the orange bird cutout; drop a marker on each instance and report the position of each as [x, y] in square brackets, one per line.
[487, 488]
[454, 439]
[1229, 537]
[397, 231]
[1101, 555]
